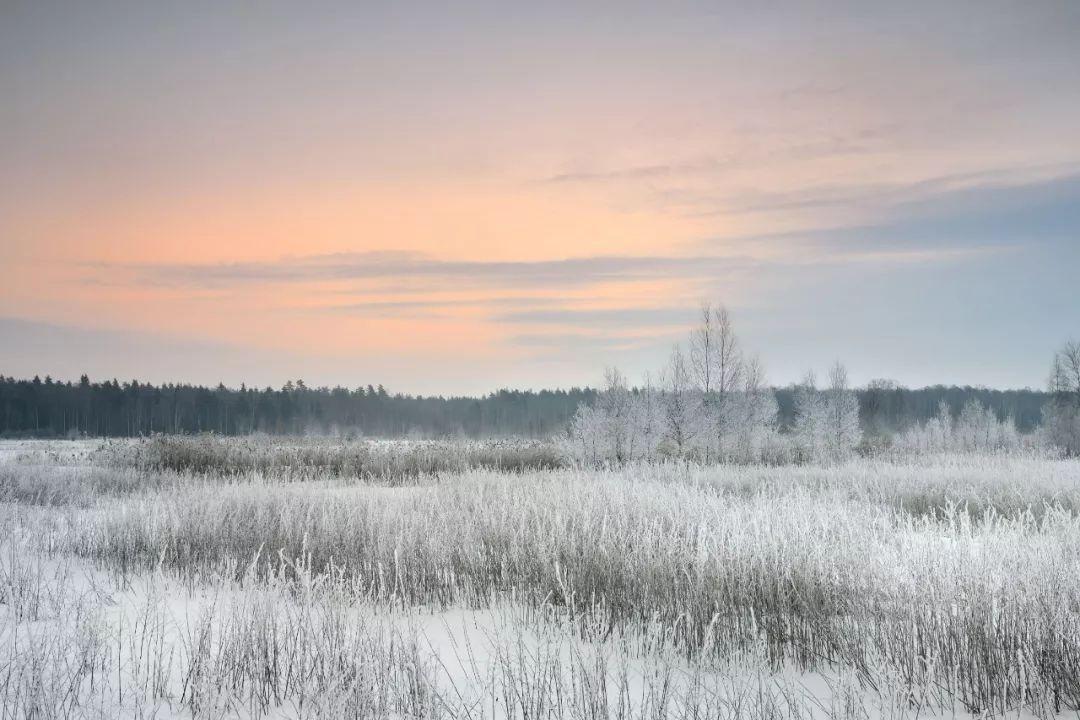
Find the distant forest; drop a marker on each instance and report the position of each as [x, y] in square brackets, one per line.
[45, 408]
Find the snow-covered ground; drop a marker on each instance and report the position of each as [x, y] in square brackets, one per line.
[88, 628]
[92, 645]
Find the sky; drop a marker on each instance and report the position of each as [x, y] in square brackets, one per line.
[451, 198]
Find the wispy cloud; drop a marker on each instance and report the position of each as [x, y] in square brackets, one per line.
[431, 307]
[620, 318]
[708, 167]
[953, 223]
[379, 266]
[874, 197]
[568, 347]
[644, 172]
[395, 266]
[573, 340]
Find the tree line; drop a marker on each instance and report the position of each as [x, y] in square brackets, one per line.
[47, 408]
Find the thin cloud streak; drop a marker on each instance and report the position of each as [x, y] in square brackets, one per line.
[568, 272]
[429, 307]
[868, 196]
[569, 347]
[856, 143]
[571, 340]
[621, 317]
[383, 266]
[642, 172]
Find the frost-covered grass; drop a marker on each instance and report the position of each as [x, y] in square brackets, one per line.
[157, 647]
[306, 458]
[941, 585]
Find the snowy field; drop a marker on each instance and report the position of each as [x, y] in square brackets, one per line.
[310, 579]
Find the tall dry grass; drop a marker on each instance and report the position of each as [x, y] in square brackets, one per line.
[306, 458]
[282, 648]
[940, 580]
[832, 567]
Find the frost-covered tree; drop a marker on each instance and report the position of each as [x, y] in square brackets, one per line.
[940, 428]
[811, 420]
[702, 349]
[826, 421]
[1061, 416]
[605, 431]
[615, 405]
[680, 405]
[756, 416]
[977, 429]
[727, 376]
[716, 364]
[646, 420]
[582, 435]
[935, 435]
[843, 433]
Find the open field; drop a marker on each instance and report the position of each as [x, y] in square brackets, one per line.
[309, 578]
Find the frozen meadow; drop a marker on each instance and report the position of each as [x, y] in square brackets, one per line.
[310, 578]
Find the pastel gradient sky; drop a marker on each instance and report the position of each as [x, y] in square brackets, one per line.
[456, 197]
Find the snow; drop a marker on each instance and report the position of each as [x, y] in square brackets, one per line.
[159, 646]
[481, 657]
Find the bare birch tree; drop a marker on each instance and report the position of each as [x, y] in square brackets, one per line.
[727, 357]
[702, 347]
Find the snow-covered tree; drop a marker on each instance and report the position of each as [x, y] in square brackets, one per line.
[646, 420]
[581, 435]
[727, 377]
[977, 429]
[604, 431]
[811, 420]
[1061, 416]
[755, 412]
[826, 421]
[615, 405]
[843, 433]
[939, 429]
[680, 406]
[716, 364]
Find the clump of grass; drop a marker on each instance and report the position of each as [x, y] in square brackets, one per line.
[79, 486]
[307, 458]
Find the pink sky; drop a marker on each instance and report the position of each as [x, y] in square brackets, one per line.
[454, 202]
